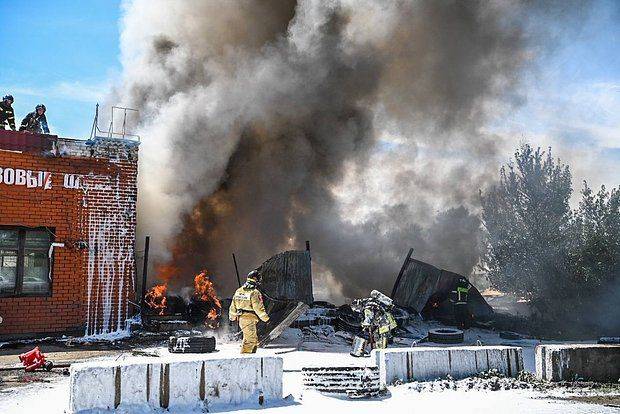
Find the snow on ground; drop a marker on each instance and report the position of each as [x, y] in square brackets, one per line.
[321, 346]
[54, 398]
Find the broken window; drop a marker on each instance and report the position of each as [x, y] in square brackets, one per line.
[24, 261]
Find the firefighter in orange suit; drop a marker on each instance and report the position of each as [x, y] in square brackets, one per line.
[247, 306]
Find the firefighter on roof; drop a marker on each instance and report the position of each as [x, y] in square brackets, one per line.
[247, 306]
[6, 112]
[36, 122]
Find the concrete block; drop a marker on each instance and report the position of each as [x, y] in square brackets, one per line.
[430, 363]
[87, 385]
[434, 364]
[174, 383]
[132, 392]
[590, 362]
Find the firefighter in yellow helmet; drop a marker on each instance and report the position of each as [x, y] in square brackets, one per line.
[247, 306]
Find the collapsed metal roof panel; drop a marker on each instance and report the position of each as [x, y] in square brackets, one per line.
[419, 282]
[286, 282]
[288, 276]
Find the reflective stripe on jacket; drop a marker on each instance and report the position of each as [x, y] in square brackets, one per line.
[460, 295]
[34, 122]
[7, 115]
[247, 300]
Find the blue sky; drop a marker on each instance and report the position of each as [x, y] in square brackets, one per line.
[64, 54]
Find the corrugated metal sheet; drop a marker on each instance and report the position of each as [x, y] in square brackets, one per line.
[420, 282]
[288, 276]
[285, 280]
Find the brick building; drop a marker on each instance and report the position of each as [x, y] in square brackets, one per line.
[67, 234]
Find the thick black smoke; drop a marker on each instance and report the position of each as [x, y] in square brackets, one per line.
[357, 125]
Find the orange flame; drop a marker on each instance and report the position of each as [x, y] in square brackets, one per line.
[156, 298]
[212, 314]
[205, 291]
[166, 272]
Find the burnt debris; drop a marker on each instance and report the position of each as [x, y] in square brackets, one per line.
[426, 289]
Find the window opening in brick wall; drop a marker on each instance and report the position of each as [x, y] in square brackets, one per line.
[24, 261]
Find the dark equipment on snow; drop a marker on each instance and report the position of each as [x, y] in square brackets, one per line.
[359, 346]
[191, 344]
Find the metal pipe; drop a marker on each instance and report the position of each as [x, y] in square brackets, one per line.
[145, 269]
[236, 269]
[400, 274]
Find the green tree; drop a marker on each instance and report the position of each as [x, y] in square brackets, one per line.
[527, 222]
[596, 258]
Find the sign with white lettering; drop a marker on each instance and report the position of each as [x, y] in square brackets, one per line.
[36, 179]
[27, 178]
[72, 181]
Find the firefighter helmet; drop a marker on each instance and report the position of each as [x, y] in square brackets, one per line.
[381, 298]
[40, 106]
[8, 98]
[252, 277]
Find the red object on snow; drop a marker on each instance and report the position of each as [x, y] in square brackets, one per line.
[34, 359]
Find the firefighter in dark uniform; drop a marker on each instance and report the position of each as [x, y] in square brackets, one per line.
[6, 112]
[35, 122]
[247, 306]
[459, 298]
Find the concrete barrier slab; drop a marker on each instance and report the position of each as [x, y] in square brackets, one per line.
[132, 392]
[435, 364]
[430, 363]
[172, 384]
[84, 382]
[590, 362]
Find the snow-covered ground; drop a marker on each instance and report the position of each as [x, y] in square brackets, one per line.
[53, 398]
[320, 346]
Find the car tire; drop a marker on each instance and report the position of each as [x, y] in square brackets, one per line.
[445, 336]
[191, 344]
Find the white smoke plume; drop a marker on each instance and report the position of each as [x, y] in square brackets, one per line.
[361, 126]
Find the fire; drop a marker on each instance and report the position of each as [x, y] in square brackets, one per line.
[156, 298]
[205, 291]
[167, 272]
[212, 315]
